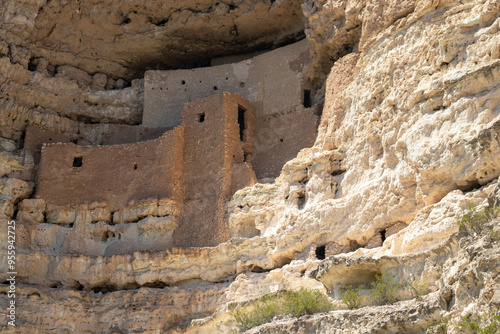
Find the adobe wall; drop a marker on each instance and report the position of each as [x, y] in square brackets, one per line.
[35, 137]
[204, 148]
[280, 137]
[114, 174]
[125, 134]
[212, 145]
[112, 134]
[272, 82]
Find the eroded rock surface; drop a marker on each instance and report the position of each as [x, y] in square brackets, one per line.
[119, 39]
[408, 137]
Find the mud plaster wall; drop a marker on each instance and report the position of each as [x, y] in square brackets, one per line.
[272, 82]
[279, 137]
[114, 174]
[124, 134]
[35, 137]
[212, 145]
[112, 134]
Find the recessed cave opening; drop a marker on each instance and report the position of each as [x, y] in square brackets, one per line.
[337, 172]
[320, 252]
[202, 56]
[78, 286]
[108, 235]
[56, 285]
[301, 201]
[154, 285]
[470, 186]
[77, 162]
[32, 64]
[354, 245]
[382, 234]
[135, 166]
[241, 121]
[33, 295]
[105, 288]
[257, 269]
[126, 20]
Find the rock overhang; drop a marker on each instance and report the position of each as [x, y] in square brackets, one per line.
[122, 39]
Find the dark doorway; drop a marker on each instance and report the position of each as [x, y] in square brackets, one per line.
[307, 99]
[241, 121]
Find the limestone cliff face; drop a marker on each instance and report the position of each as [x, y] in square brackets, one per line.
[409, 134]
[121, 39]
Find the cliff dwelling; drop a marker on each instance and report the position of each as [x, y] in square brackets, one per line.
[205, 133]
[269, 166]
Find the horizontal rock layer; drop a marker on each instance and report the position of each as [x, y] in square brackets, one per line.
[408, 136]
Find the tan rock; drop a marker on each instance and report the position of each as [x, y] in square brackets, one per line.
[408, 136]
[494, 196]
[99, 81]
[32, 210]
[73, 73]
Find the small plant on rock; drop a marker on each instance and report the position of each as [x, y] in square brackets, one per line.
[438, 327]
[305, 302]
[283, 303]
[384, 289]
[417, 288]
[473, 218]
[488, 324]
[350, 296]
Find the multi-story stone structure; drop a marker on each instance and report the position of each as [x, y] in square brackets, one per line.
[195, 147]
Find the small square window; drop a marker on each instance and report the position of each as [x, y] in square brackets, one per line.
[201, 118]
[77, 161]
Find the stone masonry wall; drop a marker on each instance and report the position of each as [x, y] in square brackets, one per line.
[212, 145]
[73, 174]
[272, 81]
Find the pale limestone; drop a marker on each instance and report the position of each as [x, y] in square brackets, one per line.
[409, 135]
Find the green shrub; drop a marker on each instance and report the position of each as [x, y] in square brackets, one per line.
[417, 288]
[350, 296]
[488, 324]
[305, 301]
[384, 289]
[473, 218]
[438, 327]
[283, 303]
[495, 234]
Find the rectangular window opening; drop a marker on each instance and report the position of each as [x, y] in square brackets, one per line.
[307, 99]
[77, 161]
[241, 121]
[201, 118]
